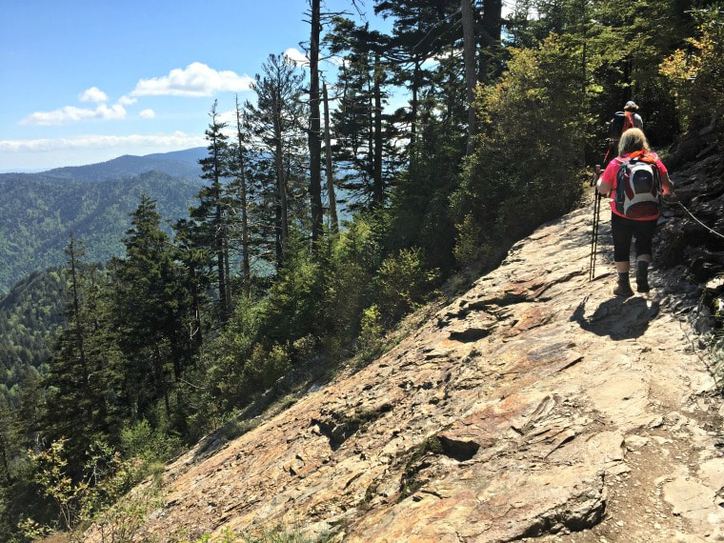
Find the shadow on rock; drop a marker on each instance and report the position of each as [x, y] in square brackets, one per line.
[618, 318]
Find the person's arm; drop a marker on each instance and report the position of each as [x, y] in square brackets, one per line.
[605, 183]
[667, 187]
[638, 121]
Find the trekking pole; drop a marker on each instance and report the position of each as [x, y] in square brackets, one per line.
[594, 231]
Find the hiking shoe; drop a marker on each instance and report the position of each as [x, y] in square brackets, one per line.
[623, 290]
[642, 282]
[642, 277]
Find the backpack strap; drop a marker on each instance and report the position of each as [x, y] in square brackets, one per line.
[621, 176]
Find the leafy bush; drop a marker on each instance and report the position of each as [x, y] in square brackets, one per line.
[265, 366]
[105, 478]
[139, 440]
[371, 333]
[531, 143]
[293, 303]
[402, 282]
[351, 262]
[468, 241]
[696, 72]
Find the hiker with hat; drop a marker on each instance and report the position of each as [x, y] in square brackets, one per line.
[635, 180]
[622, 121]
[635, 121]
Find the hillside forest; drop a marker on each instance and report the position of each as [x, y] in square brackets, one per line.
[128, 360]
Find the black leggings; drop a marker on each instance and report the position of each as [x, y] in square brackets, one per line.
[623, 230]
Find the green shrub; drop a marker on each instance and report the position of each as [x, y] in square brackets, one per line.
[265, 366]
[468, 242]
[104, 478]
[353, 257]
[139, 440]
[695, 73]
[369, 341]
[533, 133]
[402, 282]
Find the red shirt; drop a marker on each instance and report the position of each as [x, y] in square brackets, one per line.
[610, 176]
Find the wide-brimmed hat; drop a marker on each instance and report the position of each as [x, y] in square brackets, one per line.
[630, 106]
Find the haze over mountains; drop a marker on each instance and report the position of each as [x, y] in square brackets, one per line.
[39, 211]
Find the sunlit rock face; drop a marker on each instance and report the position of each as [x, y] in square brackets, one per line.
[535, 405]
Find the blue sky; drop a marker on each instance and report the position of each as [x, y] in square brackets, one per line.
[83, 81]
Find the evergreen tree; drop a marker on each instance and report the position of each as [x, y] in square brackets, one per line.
[420, 31]
[277, 124]
[150, 304]
[360, 123]
[240, 193]
[211, 215]
[76, 404]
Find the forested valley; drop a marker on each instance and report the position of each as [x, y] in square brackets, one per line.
[324, 218]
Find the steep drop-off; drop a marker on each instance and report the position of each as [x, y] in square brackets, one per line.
[533, 406]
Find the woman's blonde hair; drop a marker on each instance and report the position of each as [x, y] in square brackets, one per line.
[632, 140]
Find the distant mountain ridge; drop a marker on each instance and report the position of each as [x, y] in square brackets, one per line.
[39, 211]
[184, 164]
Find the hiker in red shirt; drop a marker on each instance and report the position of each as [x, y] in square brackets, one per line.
[635, 180]
[622, 121]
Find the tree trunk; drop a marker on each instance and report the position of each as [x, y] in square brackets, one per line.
[315, 143]
[195, 335]
[227, 271]
[245, 266]
[470, 75]
[219, 234]
[489, 39]
[330, 174]
[79, 333]
[378, 187]
[220, 260]
[282, 212]
[413, 112]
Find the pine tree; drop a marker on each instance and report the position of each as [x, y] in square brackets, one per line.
[359, 122]
[150, 301]
[239, 192]
[277, 120]
[420, 32]
[211, 215]
[76, 405]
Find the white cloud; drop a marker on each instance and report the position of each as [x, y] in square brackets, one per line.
[93, 94]
[147, 114]
[177, 140]
[196, 79]
[127, 100]
[228, 117]
[69, 114]
[296, 56]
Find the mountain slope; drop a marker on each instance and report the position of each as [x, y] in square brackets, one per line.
[533, 405]
[31, 316]
[176, 164]
[38, 214]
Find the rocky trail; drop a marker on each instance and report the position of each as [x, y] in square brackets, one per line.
[535, 406]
